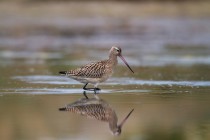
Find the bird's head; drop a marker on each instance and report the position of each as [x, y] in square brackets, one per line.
[118, 52]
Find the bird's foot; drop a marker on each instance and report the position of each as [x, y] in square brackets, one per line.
[96, 89]
[92, 89]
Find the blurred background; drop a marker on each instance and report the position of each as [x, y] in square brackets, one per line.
[166, 42]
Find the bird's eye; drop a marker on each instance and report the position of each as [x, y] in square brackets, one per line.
[118, 50]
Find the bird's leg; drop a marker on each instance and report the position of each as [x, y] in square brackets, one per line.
[85, 86]
[91, 89]
[95, 87]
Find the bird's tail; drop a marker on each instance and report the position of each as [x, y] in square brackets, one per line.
[63, 109]
[63, 72]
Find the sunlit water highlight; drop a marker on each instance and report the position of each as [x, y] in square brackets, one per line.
[46, 79]
[71, 86]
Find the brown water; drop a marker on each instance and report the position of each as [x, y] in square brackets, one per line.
[169, 91]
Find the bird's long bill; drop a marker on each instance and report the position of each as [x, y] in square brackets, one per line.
[123, 59]
[123, 121]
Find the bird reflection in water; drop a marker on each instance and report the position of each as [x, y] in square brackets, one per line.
[99, 109]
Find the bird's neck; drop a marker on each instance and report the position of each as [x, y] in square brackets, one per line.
[113, 59]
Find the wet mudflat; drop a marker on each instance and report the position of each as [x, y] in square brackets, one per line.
[169, 91]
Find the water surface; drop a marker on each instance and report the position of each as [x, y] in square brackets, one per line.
[169, 90]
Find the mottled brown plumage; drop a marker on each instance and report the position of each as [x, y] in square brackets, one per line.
[96, 72]
[92, 70]
[97, 109]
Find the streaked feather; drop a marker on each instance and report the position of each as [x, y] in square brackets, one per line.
[92, 70]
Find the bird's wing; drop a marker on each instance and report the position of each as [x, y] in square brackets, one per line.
[92, 70]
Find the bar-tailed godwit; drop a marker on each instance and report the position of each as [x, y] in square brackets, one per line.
[97, 72]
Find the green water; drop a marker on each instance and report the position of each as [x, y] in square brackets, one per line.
[169, 91]
[170, 101]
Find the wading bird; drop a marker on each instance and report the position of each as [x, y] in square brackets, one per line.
[97, 72]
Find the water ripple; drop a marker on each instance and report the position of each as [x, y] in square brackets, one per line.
[59, 80]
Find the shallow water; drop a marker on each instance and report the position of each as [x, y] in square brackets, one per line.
[169, 90]
[169, 101]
